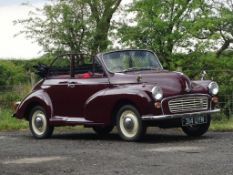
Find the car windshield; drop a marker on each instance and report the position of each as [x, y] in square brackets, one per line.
[131, 60]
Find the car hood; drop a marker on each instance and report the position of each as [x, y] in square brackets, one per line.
[172, 83]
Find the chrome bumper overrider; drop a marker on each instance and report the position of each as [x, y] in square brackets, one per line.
[171, 116]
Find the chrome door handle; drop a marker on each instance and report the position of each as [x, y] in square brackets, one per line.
[63, 82]
[71, 84]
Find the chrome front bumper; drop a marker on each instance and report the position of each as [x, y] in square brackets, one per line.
[172, 116]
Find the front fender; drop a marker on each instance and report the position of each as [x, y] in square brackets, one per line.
[201, 86]
[35, 98]
[100, 106]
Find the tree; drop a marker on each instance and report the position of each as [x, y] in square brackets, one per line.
[161, 25]
[102, 11]
[214, 26]
[224, 24]
[170, 26]
[72, 25]
[11, 74]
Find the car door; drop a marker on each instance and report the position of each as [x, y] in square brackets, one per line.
[80, 90]
[56, 85]
[69, 93]
[87, 80]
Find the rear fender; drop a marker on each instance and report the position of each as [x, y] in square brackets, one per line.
[35, 98]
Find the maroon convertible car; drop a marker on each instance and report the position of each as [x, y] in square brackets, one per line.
[128, 89]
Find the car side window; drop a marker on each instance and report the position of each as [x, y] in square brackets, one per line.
[75, 66]
[91, 70]
[60, 68]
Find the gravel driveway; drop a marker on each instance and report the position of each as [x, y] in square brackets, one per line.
[83, 152]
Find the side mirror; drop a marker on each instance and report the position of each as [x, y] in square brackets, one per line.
[41, 70]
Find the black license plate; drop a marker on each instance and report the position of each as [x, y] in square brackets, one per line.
[194, 120]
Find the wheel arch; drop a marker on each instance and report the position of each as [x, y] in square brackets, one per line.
[120, 103]
[35, 99]
[33, 104]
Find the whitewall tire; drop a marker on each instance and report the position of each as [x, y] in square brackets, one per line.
[129, 124]
[38, 123]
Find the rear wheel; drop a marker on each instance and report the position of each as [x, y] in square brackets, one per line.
[197, 130]
[38, 123]
[103, 130]
[129, 123]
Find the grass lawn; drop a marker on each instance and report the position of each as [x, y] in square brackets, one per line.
[7, 122]
[222, 125]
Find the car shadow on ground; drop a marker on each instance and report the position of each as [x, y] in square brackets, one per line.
[148, 138]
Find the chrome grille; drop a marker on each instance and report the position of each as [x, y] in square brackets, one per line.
[190, 103]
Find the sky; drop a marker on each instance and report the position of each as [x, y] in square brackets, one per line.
[19, 46]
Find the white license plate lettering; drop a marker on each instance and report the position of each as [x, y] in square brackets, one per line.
[193, 120]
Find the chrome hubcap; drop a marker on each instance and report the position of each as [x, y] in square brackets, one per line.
[128, 123]
[39, 122]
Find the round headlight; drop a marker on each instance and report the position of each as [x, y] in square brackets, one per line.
[157, 93]
[213, 88]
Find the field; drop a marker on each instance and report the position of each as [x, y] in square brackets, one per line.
[7, 122]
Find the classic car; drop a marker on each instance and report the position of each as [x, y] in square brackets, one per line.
[128, 89]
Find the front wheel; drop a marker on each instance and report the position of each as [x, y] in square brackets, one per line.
[197, 130]
[129, 124]
[38, 123]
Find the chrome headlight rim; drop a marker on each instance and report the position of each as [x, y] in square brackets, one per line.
[157, 93]
[213, 88]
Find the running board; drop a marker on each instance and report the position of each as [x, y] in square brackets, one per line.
[58, 120]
